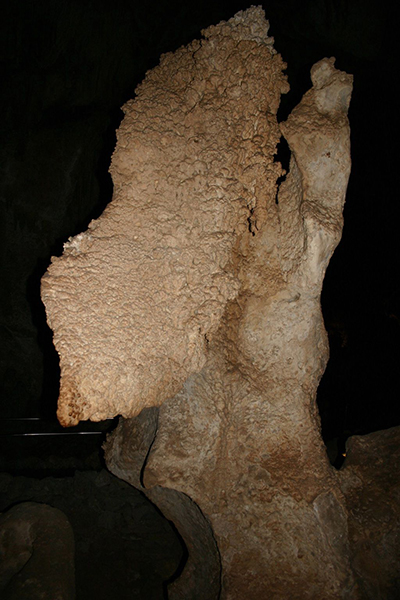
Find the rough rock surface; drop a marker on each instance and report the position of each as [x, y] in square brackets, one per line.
[370, 480]
[36, 554]
[135, 300]
[198, 290]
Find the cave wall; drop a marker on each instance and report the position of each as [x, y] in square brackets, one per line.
[370, 482]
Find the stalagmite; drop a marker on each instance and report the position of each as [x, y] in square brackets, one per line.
[198, 291]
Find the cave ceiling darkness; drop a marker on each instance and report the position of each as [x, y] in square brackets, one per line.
[67, 68]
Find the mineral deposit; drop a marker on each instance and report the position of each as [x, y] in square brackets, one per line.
[198, 291]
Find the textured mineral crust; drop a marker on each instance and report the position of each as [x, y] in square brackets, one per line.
[198, 291]
[135, 300]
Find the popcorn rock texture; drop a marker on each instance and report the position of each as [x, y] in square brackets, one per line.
[198, 291]
[135, 300]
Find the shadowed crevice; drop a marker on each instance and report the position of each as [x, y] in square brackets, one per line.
[282, 156]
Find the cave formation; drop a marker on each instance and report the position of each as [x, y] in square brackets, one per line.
[191, 307]
[220, 348]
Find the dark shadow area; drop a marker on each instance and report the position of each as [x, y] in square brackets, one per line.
[124, 548]
[182, 562]
[282, 155]
[40, 447]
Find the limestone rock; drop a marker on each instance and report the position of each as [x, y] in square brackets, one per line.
[37, 553]
[134, 301]
[197, 291]
[370, 480]
[126, 453]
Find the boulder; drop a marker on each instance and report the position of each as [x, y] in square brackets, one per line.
[37, 553]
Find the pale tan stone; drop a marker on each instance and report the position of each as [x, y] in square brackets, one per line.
[134, 300]
[196, 292]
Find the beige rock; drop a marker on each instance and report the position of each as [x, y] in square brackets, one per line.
[196, 292]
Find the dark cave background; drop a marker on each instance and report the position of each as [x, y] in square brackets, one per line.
[66, 69]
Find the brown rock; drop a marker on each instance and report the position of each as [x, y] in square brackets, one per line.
[370, 480]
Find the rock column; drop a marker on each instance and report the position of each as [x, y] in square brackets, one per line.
[198, 291]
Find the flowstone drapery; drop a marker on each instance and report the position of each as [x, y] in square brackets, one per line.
[197, 291]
